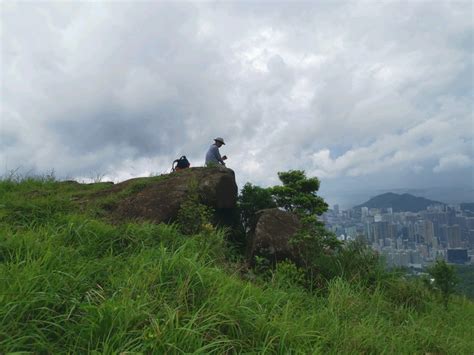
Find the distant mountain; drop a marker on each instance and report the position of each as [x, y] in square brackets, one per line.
[399, 203]
[449, 195]
[349, 196]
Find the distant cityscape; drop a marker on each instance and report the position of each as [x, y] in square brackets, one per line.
[409, 239]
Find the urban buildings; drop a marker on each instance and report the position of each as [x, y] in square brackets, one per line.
[408, 239]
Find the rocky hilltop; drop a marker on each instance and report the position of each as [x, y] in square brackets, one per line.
[158, 199]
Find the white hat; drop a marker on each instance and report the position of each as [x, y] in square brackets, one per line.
[219, 139]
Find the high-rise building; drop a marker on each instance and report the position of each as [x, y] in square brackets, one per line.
[471, 238]
[419, 231]
[393, 231]
[428, 232]
[351, 232]
[458, 256]
[443, 236]
[454, 236]
[451, 215]
[436, 208]
[399, 244]
[411, 232]
[423, 249]
[365, 211]
[411, 217]
[368, 232]
[415, 257]
[470, 223]
[404, 258]
[384, 230]
[460, 221]
[436, 228]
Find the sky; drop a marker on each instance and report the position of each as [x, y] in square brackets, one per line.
[366, 95]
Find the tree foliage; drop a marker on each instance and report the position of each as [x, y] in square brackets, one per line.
[298, 194]
[252, 199]
[193, 216]
[314, 245]
[444, 279]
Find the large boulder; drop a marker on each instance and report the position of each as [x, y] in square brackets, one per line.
[270, 238]
[158, 199]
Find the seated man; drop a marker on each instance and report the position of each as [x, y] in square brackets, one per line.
[213, 156]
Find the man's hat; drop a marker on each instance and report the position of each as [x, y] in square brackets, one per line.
[219, 139]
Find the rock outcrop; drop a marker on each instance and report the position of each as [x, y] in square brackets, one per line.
[273, 231]
[159, 199]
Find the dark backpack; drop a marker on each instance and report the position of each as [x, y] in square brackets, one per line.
[181, 163]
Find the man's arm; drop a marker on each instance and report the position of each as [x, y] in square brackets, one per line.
[218, 156]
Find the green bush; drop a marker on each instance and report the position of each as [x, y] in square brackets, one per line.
[357, 262]
[193, 215]
[320, 254]
[411, 293]
[252, 199]
[444, 279]
[287, 275]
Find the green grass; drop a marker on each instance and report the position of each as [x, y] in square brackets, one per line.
[465, 275]
[73, 283]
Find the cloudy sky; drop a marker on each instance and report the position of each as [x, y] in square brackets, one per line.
[366, 95]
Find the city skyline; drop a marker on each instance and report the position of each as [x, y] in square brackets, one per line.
[409, 239]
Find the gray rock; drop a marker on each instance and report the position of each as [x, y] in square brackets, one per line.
[159, 199]
[270, 238]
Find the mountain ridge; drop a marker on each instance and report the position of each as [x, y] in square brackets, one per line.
[399, 202]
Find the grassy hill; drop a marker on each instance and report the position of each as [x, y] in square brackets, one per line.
[73, 282]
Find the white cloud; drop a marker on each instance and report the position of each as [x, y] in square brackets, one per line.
[338, 89]
[447, 133]
[453, 162]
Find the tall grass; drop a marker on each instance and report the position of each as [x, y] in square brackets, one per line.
[70, 282]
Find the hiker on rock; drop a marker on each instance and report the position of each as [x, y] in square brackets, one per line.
[213, 156]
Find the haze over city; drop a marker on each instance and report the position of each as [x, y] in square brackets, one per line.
[368, 96]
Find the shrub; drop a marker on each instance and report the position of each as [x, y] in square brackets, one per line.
[211, 243]
[411, 293]
[318, 252]
[252, 199]
[193, 215]
[444, 279]
[287, 275]
[358, 262]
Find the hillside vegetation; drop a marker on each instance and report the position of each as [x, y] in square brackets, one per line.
[72, 281]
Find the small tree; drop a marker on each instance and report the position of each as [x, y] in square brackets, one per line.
[193, 216]
[444, 279]
[252, 199]
[314, 243]
[320, 254]
[298, 194]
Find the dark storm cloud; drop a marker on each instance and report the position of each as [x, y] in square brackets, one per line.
[146, 133]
